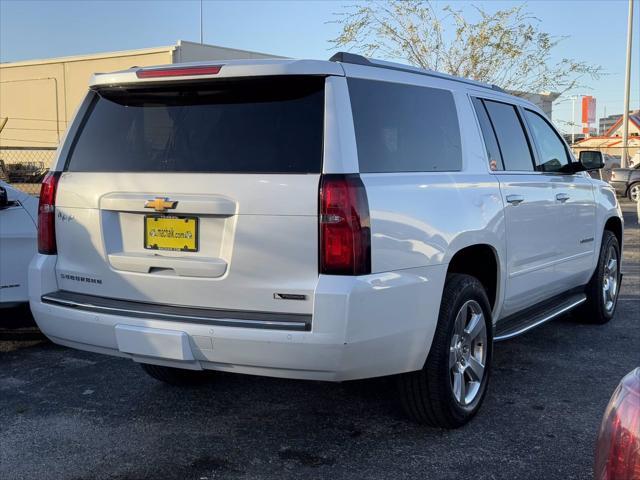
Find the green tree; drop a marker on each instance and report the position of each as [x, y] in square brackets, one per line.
[506, 48]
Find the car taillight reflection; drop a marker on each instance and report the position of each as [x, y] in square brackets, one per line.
[618, 445]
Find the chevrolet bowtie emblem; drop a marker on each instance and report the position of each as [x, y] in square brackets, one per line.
[160, 204]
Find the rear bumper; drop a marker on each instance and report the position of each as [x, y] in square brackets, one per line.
[154, 311]
[361, 327]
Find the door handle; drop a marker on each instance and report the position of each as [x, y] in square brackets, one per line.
[562, 197]
[515, 199]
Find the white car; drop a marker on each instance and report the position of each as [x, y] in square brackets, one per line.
[325, 220]
[18, 220]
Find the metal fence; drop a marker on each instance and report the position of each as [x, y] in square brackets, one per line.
[25, 167]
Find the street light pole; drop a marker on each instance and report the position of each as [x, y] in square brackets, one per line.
[573, 120]
[201, 42]
[627, 88]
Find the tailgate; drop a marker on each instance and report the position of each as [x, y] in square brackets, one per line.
[196, 195]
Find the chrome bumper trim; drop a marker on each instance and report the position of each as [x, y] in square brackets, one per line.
[175, 313]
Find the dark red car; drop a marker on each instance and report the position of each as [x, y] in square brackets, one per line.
[618, 445]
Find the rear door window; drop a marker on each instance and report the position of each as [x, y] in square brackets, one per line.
[404, 128]
[266, 125]
[514, 145]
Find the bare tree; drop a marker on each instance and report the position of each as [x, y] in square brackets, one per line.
[505, 48]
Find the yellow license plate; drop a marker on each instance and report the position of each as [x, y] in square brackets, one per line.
[171, 233]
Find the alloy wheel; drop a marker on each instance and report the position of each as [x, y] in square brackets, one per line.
[468, 352]
[610, 279]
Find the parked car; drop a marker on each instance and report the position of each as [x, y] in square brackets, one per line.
[18, 213]
[610, 162]
[626, 182]
[618, 444]
[325, 220]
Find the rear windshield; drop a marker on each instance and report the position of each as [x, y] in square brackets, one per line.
[267, 125]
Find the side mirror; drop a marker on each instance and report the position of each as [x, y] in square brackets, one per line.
[4, 199]
[591, 160]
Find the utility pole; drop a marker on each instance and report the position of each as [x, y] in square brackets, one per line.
[201, 39]
[627, 88]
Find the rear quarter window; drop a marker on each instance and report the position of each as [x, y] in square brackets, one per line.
[265, 125]
[404, 128]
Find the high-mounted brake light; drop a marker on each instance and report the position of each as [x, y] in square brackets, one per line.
[345, 232]
[47, 214]
[179, 71]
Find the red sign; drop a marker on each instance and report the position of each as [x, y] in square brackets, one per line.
[588, 110]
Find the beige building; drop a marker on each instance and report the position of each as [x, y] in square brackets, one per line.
[39, 97]
[543, 100]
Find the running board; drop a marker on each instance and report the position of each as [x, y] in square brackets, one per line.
[520, 323]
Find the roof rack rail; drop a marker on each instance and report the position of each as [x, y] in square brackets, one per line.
[354, 58]
[348, 57]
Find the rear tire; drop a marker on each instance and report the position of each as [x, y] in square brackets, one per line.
[447, 392]
[177, 376]
[603, 288]
[634, 192]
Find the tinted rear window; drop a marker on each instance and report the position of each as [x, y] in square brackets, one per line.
[404, 128]
[268, 125]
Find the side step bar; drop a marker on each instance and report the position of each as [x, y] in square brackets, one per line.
[520, 323]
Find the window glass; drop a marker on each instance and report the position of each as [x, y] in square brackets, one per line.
[552, 155]
[511, 137]
[404, 128]
[266, 125]
[490, 140]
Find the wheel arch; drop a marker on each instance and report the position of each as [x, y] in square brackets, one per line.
[614, 225]
[481, 261]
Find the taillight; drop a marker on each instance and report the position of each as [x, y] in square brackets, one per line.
[47, 214]
[178, 71]
[618, 445]
[345, 232]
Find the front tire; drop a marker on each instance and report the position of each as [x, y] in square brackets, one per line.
[603, 288]
[451, 386]
[176, 376]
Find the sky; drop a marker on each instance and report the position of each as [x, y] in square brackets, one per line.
[29, 29]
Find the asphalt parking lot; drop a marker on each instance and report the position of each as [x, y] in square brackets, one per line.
[66, 414]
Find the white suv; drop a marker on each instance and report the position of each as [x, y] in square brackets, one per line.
[325, 220]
